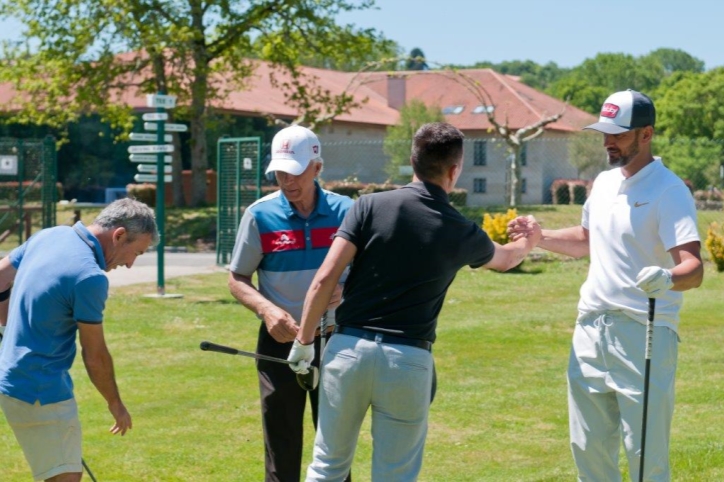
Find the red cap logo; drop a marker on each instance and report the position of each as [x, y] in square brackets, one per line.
[315, 149]
[285, 144]
[609, 110]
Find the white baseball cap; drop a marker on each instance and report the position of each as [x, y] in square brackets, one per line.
[624, 111]
[292, 149]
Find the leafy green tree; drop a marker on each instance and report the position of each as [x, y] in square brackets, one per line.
[69, 62]
[695, 160]
[586, 153]
[675, 60]
[398, 141]
[691, 105]
[530, 73]
[604, 74]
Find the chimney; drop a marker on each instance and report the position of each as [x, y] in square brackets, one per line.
[396, 94]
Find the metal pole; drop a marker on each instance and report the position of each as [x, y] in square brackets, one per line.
[160, 203]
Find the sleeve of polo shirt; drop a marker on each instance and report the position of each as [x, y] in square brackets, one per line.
[677, 217]
[247, 253]
[16, 255]
[483, 248]
[351, 228]
[89, 299]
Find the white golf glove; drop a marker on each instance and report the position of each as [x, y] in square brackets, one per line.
[654, 281]
[301, 357]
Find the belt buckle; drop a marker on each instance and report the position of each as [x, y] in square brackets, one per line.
[378, 337]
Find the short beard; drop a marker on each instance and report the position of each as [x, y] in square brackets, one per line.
[623, 160]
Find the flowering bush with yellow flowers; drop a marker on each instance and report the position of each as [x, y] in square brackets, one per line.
[715, 245]
[496, 226]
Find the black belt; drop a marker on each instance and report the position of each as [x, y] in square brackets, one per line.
[380, 337]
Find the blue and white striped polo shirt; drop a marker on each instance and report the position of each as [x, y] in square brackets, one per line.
[285, 249]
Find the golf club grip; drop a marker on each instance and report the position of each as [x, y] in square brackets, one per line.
[650, 329]
[208, 346]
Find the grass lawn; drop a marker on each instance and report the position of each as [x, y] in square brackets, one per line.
[500, 411]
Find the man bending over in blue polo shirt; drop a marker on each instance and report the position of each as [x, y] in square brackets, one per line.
[58, 289]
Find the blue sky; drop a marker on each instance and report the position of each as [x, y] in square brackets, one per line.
[563, 31]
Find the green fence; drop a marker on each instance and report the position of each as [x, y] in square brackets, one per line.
[239, 185]
[28, 185]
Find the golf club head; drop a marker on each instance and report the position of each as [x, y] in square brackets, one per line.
[309, 380]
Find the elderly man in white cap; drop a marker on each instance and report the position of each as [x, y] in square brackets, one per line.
[284, 238]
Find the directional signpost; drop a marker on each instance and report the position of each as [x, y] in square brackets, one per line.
[160, 172]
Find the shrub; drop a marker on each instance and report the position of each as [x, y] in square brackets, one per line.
[561, 192]
[715, 245]
[496, 226]
[370, 188]
[32, 191]
[346, 188]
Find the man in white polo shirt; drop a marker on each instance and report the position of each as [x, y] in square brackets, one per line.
[639, 228]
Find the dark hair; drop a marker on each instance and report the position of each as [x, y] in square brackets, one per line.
[436, 147]
[133, 215]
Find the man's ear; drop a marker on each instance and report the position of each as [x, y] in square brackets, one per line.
[119, 234]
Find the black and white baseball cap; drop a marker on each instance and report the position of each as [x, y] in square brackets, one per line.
[292, 149]
[624, 111]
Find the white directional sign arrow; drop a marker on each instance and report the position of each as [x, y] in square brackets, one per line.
[158, 100]
[152, 168]
[155, 116]
[150, 149]
[149, 178]
[148, 158]
[152, 126]
[136, 136]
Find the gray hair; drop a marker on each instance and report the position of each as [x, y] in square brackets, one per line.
[135, 216]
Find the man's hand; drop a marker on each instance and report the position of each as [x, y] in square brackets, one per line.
[301, 357]
[655, 281]
[524, 227]
[280, 324]
[123, 418]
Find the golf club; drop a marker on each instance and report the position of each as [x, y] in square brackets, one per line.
[307, 381]
[90, 474]
[647, 374]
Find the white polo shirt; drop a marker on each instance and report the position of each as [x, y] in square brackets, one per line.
[633, 223]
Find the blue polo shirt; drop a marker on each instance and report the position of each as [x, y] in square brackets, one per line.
[285, 249]
[59, 283]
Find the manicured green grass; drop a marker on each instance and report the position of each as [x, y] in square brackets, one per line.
[500, 411]
[499, 415]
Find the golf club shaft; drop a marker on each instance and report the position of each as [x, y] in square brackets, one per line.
[647, 376]
[208, 346]
[90, 474]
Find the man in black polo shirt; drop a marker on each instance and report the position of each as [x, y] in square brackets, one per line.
[405, 247]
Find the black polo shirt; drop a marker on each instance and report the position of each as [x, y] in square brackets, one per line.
[410, 244]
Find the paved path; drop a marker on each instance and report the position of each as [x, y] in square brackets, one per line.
[145, 269]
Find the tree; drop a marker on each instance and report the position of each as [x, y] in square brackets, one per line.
[70, 62]
[586, 154]
[416, 61]
[516, 139]
[691, 105]
[604, 74]
[675, 60]
[530, 73]
[695, 160]
[398, 141]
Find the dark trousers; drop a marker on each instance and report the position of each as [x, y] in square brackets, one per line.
[282, 405]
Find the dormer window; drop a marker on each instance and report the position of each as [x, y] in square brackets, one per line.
[482, 109]
[453, 109]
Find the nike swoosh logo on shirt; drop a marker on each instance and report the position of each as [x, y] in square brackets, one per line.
[638, 204]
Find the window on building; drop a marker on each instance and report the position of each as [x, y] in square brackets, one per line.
[524, 155]
[482, 109]
[453, 109]
[480, 154]
[524, 186]
[480, 185]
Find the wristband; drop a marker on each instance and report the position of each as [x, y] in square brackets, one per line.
[5, 294]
